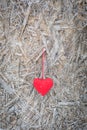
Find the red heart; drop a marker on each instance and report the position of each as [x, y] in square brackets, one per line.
[43, 85]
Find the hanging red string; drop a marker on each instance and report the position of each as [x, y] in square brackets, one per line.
[43, 63]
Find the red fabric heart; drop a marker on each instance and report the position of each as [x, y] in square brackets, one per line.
[43, 85]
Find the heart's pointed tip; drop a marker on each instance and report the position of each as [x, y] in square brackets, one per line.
[42, 94]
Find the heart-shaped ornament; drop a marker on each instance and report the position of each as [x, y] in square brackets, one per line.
[43, 85]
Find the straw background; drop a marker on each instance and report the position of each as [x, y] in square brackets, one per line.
[26, 26]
